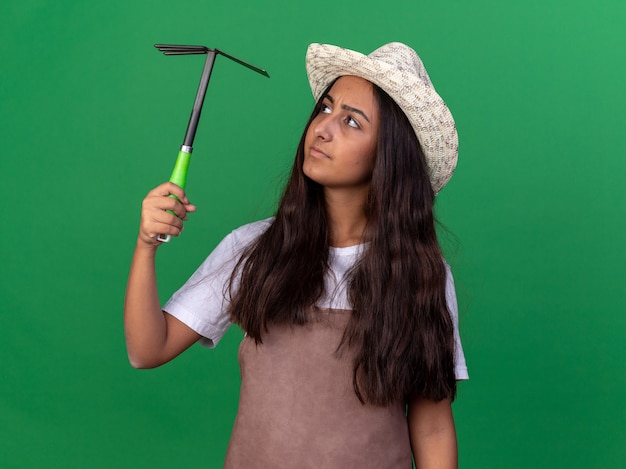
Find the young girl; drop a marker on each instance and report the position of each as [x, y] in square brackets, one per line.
[352, 352]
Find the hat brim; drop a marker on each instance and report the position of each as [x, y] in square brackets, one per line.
[428, 114]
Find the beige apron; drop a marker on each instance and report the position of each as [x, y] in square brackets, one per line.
[298, 409]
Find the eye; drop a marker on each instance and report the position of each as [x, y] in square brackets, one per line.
[352, 122]
[325, 109]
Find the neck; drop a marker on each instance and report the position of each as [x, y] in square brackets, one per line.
[346, 216]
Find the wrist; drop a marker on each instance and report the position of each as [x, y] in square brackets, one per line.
[146, 247]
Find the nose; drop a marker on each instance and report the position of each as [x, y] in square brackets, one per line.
[322, 127]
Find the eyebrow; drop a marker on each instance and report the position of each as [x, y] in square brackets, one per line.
[345, 107]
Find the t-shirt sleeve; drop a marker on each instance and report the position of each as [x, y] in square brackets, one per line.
[460, 367]
[202, 302]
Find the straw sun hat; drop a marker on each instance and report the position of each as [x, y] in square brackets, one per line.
[398, 70]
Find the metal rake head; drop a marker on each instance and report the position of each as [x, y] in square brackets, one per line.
[177, 49]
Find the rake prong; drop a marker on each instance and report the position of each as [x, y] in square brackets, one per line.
[188, 46]
[178, 46]
[177, 49]
[192, 52]
[245, 64]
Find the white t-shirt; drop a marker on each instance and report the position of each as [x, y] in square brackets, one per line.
[202, 302]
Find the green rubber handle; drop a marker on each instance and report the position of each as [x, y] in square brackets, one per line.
[179, 174]
[178, 177]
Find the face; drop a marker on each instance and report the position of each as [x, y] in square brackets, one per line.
[340, 143]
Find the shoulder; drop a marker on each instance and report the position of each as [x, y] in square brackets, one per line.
[230, 248]
[223, 258]
[449, 277]
[246, 234]
[450, 291]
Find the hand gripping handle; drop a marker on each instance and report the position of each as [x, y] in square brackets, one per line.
[178, 177]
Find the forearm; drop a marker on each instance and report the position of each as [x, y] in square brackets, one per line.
[144, 322]
[438, 450]
[433, 435]
[153, 337]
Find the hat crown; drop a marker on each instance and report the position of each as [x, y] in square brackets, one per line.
[403, 59]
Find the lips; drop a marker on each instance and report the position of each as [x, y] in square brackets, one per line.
[316, 152]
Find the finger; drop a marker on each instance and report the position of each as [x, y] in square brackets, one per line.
[190, 208]
[157, 222]
[152, 237]
[167, 216]
[169, 188]
[162, 203]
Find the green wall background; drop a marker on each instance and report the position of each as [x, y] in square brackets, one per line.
[92, 117]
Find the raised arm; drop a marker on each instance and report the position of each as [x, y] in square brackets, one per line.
[152, 336]
[432, 432]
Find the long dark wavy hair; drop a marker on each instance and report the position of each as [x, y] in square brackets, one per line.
[400, 329]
